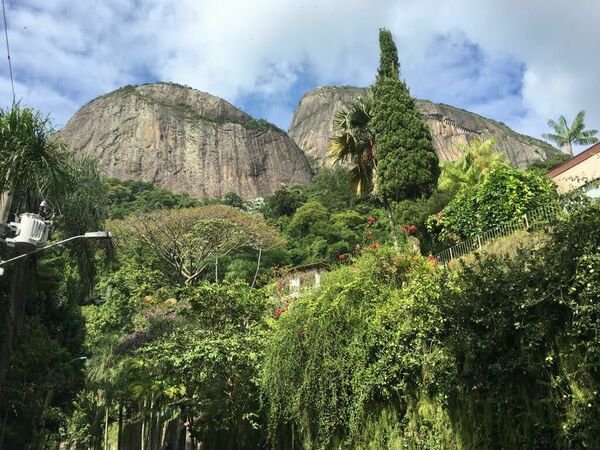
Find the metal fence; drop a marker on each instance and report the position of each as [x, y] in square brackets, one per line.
[531, 220]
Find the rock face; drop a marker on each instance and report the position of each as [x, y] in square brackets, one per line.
[451, 127]
[186, 141]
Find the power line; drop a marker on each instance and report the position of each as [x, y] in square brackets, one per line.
[12, 82]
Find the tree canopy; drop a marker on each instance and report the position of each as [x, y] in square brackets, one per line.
[188, 241]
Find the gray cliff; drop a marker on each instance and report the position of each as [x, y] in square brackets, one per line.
[186, 141]
[451, 128]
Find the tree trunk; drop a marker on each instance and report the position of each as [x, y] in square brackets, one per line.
[120, 425]
[143, 433]
[19, 284]
[191, 435]
[4, 421]
[216, 269]
[5, 203]
[568, 148]
[257, 267]
[42, 433]
[392, 226]
[106, 409]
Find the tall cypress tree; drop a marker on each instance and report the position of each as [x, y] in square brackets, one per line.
[407, 164]
[389, 67]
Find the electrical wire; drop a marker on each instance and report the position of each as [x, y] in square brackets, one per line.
[12, 82]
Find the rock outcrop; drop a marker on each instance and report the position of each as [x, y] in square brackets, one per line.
[451, 127]
[186, 141]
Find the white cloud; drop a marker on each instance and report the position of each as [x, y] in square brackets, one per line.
[66, 52]
[557, 42]
[48, 101]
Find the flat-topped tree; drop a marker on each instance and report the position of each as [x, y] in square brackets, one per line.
[407, 164]
[188, 242]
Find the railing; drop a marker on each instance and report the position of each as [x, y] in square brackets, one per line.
[451, 122]
[530, 220]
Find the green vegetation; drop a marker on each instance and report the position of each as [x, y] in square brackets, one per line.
[543, 167]
[354, 143]
[474, 164]
[407, 164]
[41, 326]
[504, 194]
[394, 352]
[325, 221]
[127, 197]
[181, 328]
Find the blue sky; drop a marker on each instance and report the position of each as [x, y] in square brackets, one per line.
[517, 62]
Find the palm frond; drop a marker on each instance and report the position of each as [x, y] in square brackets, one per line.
[564, 136]
[564, 126]
[578, 124]
[556, 138]
[587, 138]
[353, 142]
[555, 126]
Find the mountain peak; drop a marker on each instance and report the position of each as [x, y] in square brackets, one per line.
[185, 140]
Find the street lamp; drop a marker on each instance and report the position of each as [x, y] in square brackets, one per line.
[88, 235]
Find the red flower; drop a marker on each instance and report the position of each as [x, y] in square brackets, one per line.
[433, 259]
[341, 257]
[374, 245]
[371, 220]
[410, 229]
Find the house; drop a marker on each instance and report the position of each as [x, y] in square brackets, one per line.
[302, 277]
[580, 172]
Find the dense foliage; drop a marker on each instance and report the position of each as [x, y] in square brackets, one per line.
[474, 164]
[504, 194]
[393, 352]
[188, 332]
[41, 327]
[168, 356]
[543, 167]
[325, 220]
[127, 197]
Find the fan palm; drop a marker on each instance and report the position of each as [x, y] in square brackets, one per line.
[565, 136]
[354, 143]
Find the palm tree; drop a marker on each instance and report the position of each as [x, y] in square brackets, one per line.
[476, 161]
[565, 136]
[354, 143]
[31, 164]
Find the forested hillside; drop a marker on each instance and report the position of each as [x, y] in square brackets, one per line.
[190, 329]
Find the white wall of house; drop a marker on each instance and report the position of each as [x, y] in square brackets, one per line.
[580, 175]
